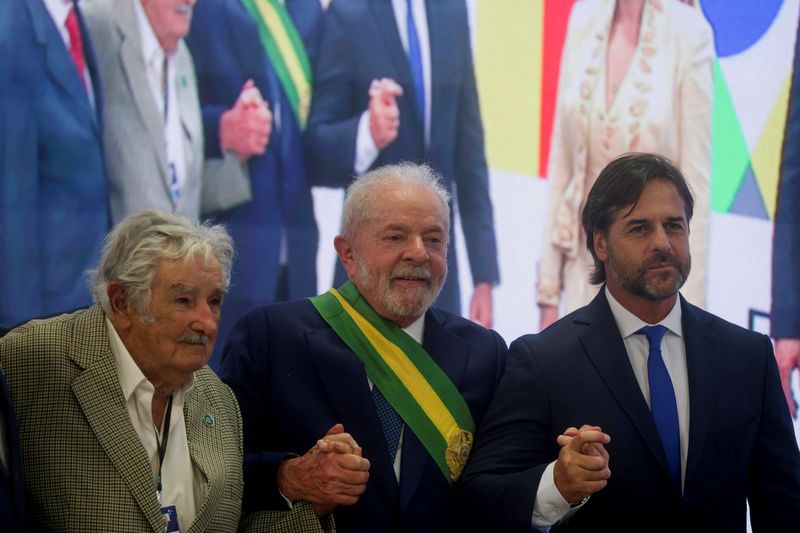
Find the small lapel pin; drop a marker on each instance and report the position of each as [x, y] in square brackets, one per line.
[208, 420]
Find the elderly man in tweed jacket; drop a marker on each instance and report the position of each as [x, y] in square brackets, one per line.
[123, 426]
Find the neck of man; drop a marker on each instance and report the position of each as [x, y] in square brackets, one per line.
[651, 311]
[159, 407]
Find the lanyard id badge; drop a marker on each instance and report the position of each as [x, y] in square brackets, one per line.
[169, 513]
[169, 516]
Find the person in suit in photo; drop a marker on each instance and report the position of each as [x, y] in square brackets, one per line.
[785, 315]
[638, 411]
[342, 361]
[53, 192]
[394, 81]
[121, 422]
[154, 133]
[13, 509]
[275, 232]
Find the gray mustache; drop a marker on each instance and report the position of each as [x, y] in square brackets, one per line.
[197, 338]
[412, 272]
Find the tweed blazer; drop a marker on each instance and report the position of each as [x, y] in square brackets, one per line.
[138, 173]
[83, 462]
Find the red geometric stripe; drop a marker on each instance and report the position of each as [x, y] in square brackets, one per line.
[556, 15]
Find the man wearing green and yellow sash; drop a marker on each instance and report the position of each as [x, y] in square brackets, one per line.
[408, 383]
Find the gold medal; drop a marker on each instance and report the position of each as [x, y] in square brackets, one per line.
[458, 448]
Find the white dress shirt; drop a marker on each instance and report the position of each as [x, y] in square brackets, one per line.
[183, 484]
[59, 10]
[550, 506]
[366, 151]
[154, 62]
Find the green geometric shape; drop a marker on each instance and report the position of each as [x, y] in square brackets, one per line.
[730, 156]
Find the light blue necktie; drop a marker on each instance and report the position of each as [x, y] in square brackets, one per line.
[415, 62]
[390, 421]
[662, 402]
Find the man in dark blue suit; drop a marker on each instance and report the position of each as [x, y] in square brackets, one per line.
[298, 375]
[12, 491]
[275, 233]
[785, 316]
[386, 90]
[640, 411]
[53, 197]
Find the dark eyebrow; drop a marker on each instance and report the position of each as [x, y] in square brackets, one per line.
[636, 221]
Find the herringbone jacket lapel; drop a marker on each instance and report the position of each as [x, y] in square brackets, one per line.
[109, 419]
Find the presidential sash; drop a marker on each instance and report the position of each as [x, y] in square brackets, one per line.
[286, 53]
[410, 380]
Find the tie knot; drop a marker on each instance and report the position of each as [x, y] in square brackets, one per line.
[654, 335]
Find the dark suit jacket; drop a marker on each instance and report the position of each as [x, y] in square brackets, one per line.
[225, 45]
[12, 491]
[360, 43]
[741, 441]
[53, 196]
[295, 378]
[785, 317]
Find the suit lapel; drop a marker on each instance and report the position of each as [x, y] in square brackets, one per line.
[94, 73]
[93, 388]
[703, 360]
[346, 387]
[383, 13]
[441, 52]
[187, 106]
[58, 62]
[206, 450]
[134, 69]
[451, 353]
[603, 344]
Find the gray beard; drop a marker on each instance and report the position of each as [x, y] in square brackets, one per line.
[406, 303]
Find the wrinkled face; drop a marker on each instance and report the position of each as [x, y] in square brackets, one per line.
[646, 252]
[398, 259]
[178, 336]
[170, 20]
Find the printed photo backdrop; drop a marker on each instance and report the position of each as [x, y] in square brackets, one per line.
[517, 54]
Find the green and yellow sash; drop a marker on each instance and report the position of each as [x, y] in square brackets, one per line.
[406, 375]
[286, 52]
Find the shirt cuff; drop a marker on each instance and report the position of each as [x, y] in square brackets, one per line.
[550, 506]
[366, 151]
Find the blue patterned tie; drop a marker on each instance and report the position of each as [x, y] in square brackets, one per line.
[390, 420]
[415, 62]
[662, 402]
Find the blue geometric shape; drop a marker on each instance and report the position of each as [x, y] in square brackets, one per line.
[738, 24]
[748, 201]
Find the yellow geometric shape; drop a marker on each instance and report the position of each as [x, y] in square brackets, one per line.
[766, 156]
[508, 63]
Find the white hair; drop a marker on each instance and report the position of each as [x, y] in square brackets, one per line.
[132, 249]
[361, 198]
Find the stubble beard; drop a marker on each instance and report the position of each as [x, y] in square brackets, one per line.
[637, 281]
